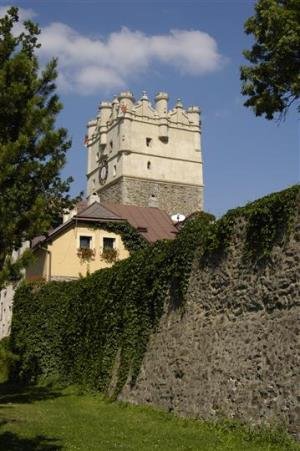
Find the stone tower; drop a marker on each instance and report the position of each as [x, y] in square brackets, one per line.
[146, 156]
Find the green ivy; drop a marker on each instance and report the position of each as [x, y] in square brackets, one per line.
[132, 240]
[269, 222]
[89, 330]
[193, 236]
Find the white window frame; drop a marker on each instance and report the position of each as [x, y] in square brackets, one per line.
[89, 235]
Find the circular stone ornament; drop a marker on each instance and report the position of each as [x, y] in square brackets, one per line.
[103, 172]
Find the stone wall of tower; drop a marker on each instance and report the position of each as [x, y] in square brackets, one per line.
[171, 197]
[152, 156]
[113, 193]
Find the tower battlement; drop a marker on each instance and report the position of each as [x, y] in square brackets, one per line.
[146, 155]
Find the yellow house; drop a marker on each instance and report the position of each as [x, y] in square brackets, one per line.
[83, 243]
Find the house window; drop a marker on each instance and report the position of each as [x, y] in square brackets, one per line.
[148, 142]
[149, 165]
[85, 242]
[115, 170]
[108, 243]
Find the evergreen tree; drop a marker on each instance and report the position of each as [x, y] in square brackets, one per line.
[32, 150]
[272, 81]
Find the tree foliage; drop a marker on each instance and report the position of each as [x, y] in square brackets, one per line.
[32, 150]
[272, 80]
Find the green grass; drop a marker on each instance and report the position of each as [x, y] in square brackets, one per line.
[44, 419]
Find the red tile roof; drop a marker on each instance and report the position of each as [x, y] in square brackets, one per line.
[154, 224]
[97, 211]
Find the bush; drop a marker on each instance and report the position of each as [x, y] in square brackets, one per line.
[7, 359]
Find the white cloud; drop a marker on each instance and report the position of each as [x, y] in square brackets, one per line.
[87, 64]
[192, 52]
[93, 78]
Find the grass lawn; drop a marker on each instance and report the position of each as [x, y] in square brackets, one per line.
[43, 419]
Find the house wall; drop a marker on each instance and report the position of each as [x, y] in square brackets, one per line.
[63, 252]
[39, 267]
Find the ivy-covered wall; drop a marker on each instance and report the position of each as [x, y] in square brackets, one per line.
[234, 350]
[96, 331]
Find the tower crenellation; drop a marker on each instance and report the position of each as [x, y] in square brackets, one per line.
[146, 155]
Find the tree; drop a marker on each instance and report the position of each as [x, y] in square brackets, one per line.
[272, 81]
[32, 150]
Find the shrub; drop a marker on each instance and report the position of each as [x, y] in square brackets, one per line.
[7, 359]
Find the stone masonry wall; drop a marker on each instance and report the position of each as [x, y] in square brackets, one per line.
[234, 350]
[112, 193]
[171, 197]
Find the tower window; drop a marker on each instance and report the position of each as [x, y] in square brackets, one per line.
[111, 145]
[149, 165]
[148, 142]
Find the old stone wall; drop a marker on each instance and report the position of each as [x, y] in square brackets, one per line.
[233, 350]
[171, 197]
[112, 193]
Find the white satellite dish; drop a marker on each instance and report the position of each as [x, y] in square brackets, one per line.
[178, 217]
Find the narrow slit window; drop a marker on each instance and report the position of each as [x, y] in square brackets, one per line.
[148, 142]
[149, 165]
[115, 170]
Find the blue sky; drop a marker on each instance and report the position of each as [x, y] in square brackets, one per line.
[192, 50]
